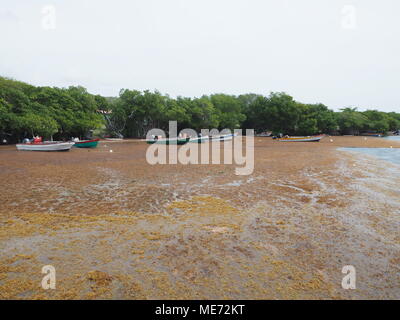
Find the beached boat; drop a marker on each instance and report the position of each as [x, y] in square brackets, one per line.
[114, 139]
[87, 143]
[264, 134]
[45, 146]
[199, 139]
[224, 137]
[302, 139]
[178, 141]
[368, 134]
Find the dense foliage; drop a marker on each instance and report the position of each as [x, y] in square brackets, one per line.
[26, 110]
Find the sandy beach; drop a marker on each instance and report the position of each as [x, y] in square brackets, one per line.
[115, 227]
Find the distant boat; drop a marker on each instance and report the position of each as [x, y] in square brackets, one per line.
[45, 146]
[199, 139]
[178, 141]
[302, 139]
[114, 139]
[372, 134]
[87, 143]
[224, 137]
[264, 134]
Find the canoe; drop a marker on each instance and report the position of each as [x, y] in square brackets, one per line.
[87, 143]
[45, 146]
[178, 141]
[302, 139]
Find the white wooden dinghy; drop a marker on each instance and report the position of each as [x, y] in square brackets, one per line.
[45, 146]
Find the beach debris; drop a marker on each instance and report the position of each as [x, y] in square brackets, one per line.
[111, 151]
[216, 229]
[100, 277]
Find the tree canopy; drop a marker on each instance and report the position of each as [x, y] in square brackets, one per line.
[26, 110]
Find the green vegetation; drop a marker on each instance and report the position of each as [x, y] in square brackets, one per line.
[26, 110]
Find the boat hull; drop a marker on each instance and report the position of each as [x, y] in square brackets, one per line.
[226, 137]
[51, 146]
[378, 135]
[87, 143]
[169, 141]
[199, 139]
[302, 139]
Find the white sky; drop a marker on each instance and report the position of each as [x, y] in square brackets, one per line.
[315, 50]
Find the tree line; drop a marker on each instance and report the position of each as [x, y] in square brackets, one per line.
[61, 113]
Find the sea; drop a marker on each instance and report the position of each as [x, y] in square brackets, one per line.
[387, 154]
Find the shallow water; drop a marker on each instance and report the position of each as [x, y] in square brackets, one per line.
[394, 138]
[387, 154]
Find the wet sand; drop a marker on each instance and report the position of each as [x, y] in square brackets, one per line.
[115, 227]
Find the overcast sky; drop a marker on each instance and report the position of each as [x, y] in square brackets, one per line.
[341, 53]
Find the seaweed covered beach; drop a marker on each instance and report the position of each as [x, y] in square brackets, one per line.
[115, 227]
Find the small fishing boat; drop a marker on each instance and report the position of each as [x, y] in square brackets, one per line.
[368, 134]
[114, 139]
[264, 134]
[302, 139]
[178, 141]
[45, 146]
[224, 137]
[87, 143]
[199, 139]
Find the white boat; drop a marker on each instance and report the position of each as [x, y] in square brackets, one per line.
[199, 139]
[45, 146]
[264, 134]
[302, 139]
[114, 139]
[225, 137]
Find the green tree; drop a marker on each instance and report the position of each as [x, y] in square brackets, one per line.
[377, 121]
[39, 125]
[255, 110]
[351, 121]
[394, 121]
[229, 111]
[282, 113]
